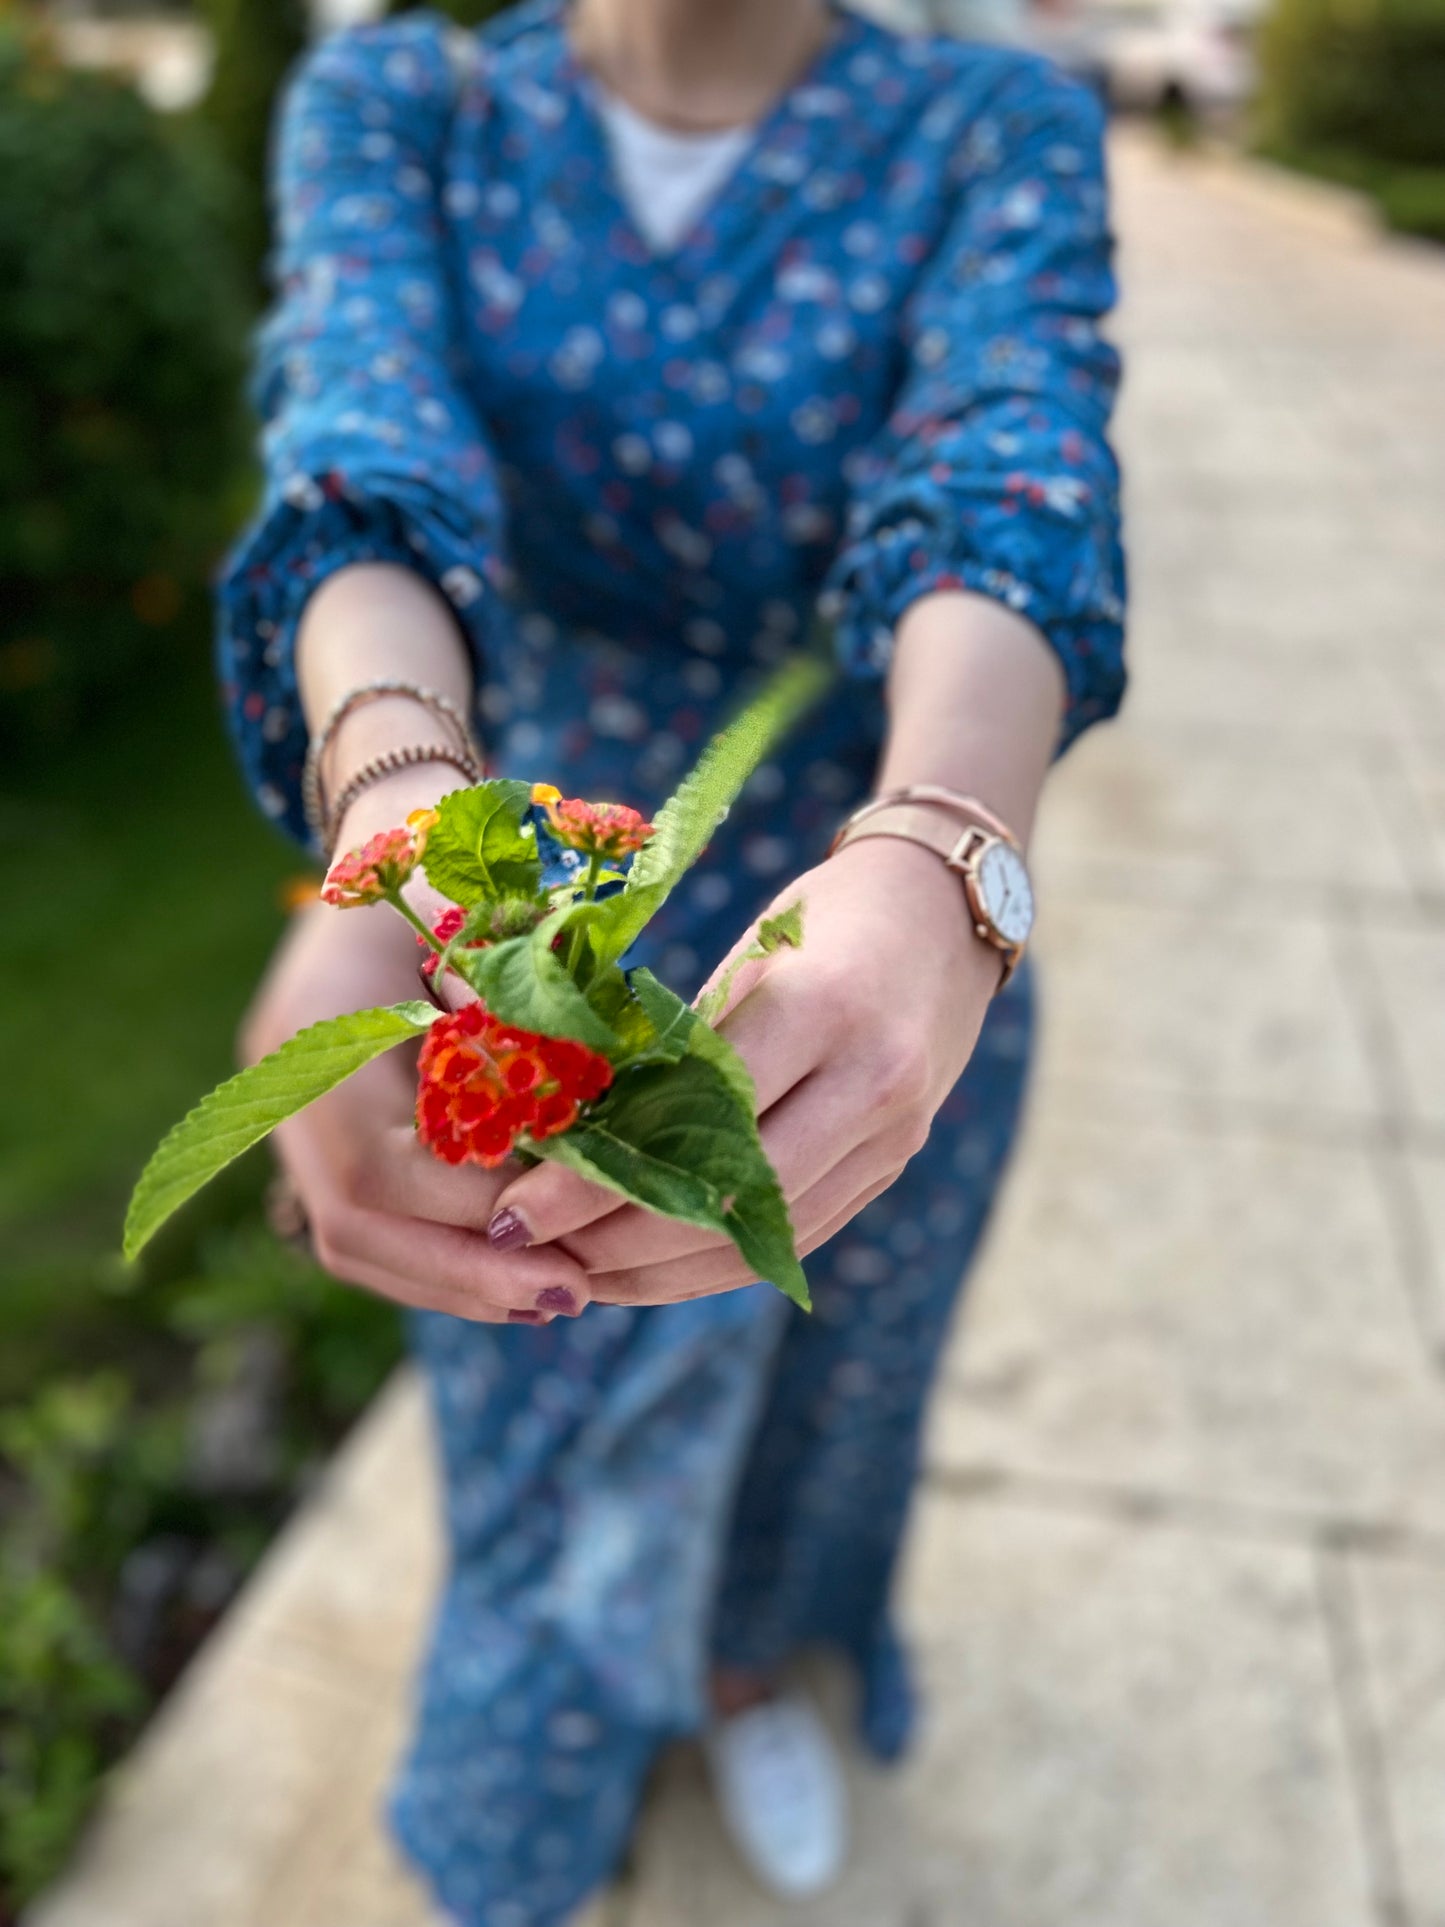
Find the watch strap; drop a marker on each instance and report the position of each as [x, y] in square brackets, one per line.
[915, 823]
[921, 823]
[968, 808]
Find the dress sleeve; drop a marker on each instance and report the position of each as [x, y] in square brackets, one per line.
[994, 472]
[372, 449]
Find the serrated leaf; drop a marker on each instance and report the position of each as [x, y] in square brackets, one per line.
[672, 1020]
[521, 982]
[596, 1151]
[761, 1228]
[482, 850]
[613, 924]
[240, 1112]
[710, 1045]
[682, 1140]
[612, 998]
[685, 824]
[682, 1032]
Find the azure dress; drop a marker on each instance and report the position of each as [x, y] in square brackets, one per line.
[873, 369]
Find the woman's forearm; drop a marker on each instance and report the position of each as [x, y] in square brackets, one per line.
[975, 702]
[376, 622]
[975, 695]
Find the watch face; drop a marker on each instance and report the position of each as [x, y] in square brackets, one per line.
[1004, 888]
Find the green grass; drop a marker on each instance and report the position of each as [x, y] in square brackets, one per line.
[142, 900]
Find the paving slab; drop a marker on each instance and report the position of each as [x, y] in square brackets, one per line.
[1419, 763]
[351, 1592]
[218, 1799]
[1218, 1317]
[1186, 678]
[1423, 1239]
[1114, 1710]
[1148, 1005]
[1202, 815]
[1401, 1609]
[1408, 967]
[346, 1872]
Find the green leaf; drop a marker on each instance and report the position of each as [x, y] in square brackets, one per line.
[679, 1031]
[240, 1112]
[626, 1153]
[483, 849]
[500, 918]
[682, 1140]
[523, 983]
[710, 1045]
[685, 824]
[613, 923]
[672, 1021]
[612, 998]
[785, 929]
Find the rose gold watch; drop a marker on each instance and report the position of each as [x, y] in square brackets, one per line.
[979, 848]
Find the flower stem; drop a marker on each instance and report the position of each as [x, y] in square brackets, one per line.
[594, 866]
[399, 902]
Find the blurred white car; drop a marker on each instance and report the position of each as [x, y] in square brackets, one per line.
[1192, 54]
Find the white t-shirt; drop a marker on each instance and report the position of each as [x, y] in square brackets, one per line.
[667, 179]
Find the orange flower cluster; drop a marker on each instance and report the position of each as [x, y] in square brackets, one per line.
[608, 830]
[380, 867]
[484, 1083]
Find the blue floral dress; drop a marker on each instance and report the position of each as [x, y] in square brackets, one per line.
[873, 369]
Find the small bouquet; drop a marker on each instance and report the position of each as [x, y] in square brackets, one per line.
[565, 1055]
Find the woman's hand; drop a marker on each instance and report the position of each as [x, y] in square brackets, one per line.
[383, 1212]
[853, 1041]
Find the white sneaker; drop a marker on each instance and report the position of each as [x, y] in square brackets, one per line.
[780, 1786]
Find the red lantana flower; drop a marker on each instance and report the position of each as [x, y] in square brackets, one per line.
[608, 830]
[444, 929]
[380, 867]
[483, 1083]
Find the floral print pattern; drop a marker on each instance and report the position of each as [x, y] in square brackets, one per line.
[873, 369]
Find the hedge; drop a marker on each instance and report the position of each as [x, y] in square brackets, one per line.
[121, 350]
[1355, 76]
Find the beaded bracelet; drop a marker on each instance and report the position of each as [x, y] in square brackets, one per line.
[411, 756]
[313, 804]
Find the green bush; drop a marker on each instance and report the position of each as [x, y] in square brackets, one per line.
[257, 42]
[469, 13]
[1355, 76]
[98, 1470]
[66, 1702]
[1412, 199]
[121, 352]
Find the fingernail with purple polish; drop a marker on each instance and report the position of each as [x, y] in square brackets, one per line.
[525, 1318]
[508, 1230]
[557, 1298]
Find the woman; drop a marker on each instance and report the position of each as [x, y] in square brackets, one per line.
[612, 345]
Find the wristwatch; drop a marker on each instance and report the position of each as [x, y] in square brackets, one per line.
[976, 844]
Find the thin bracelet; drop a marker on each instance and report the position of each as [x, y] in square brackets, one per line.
[411, 756]
[968, 807]
[312, 801]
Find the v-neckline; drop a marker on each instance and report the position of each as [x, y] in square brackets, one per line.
[769, 134]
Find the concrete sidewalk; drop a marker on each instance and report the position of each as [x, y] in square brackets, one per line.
[1178, 1575]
